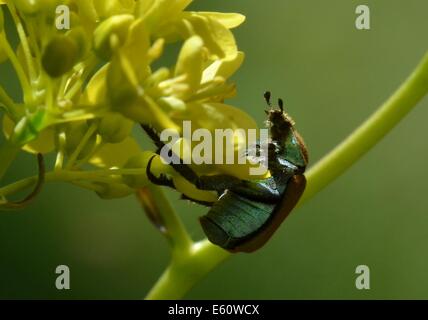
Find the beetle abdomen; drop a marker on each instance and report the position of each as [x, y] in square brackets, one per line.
[239, 224]
[234, 218]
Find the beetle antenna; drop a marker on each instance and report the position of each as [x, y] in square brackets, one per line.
[281, 104]
[267, 96]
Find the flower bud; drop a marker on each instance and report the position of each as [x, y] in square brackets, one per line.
[139, 161]
[190, 64]
[115, 25]
[27, 7]
[87, 12]
[34, 7]
[114, 128]
[108, 8]
[60, 55]
[123, 89]
[74, 133]
[78, 36]
[113, 190]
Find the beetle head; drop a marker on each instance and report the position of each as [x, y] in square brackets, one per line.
[278, 121]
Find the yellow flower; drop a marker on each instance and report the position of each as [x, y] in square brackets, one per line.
[85, 88]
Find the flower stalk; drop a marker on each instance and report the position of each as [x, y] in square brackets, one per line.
[389, 114]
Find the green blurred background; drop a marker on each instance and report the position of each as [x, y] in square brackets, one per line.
[332, 77]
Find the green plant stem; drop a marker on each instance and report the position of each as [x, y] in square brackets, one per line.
[183, 274]
[7, 103]
[175, 230]
[188, 269]
[24, 41]
[5, 99]
[32, 37]
[61, 142]
[67, 176]
[81, 145]
[26, 88]
[410, 93]
[175, 281]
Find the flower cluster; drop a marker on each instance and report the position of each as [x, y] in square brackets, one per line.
[84, 88]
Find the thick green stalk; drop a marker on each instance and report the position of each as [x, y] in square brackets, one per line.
[168, 220]
[187, 270]
[370, 132]
[183, 274]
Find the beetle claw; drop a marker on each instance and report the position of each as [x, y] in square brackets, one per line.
[162, 180]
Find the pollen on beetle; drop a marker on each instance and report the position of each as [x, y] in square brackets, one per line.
[268, 123]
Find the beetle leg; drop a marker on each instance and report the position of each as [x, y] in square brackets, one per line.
[181, 168]
[207, 183]
[162, 180]
[219, 182]
[153, 136]
[203, 203]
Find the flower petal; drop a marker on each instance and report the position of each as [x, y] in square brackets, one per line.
[44, 143]
[108, 8]
[115, 155]
[158, 12]
[95, 91]
[190, 66]
[229, 20]
[224, 68]
[218, 39]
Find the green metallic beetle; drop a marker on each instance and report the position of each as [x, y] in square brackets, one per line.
[247, 213]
